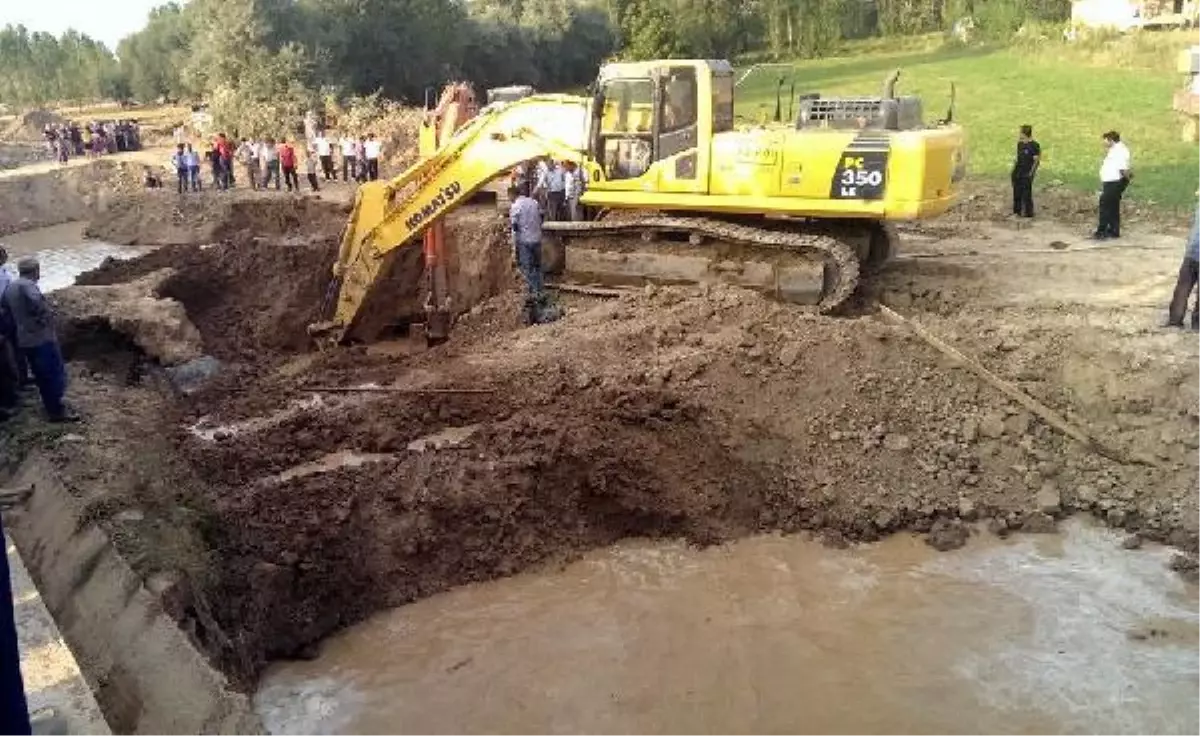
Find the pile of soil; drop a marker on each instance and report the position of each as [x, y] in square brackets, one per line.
[163, 218]
[61, 195]
[30, 126]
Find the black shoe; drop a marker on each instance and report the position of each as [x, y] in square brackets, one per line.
[67, 417]
[1099, 236]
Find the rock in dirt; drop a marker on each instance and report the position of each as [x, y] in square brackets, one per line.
[1086, 497]
[947, 534]
[789, 355]
[1133, 541]
[188, 377]
[159, 327]
[897, 442]
[1038, 523]
[1049, 500]
[992, 425]
[1186, 565]
[966, 509]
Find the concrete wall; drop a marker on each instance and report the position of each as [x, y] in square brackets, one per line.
[147, 675]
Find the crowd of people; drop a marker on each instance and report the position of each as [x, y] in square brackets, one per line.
[266, 163]
[96, 138]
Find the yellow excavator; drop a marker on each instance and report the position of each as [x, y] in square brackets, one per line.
[792, 209]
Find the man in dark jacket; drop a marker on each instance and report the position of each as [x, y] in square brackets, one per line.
[1025, 166]
[36, 339]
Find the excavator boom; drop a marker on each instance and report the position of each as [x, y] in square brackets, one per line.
[389, 215]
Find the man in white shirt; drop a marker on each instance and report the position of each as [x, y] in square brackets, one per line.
[371, 151]
[554, 183]
[576, 185]
[1115, 174]
[349, 170]
[325, 154]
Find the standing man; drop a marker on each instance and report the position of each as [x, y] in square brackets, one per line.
[1189, 274]
[180, 161]
[225, 155]
[576, 185]
[14, 369]
[325, 152]
[270, 159]
[37, 340]
[310, 168]
[287, 161]
[348, 160]
[372, 149]
[1029, 157]
[1115, 174]
[554, 184]
[193, 163]
[247, 155]
[526, 220]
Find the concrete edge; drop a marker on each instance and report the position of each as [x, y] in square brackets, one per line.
[147, 675]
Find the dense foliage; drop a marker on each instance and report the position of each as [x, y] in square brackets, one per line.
[259, 60]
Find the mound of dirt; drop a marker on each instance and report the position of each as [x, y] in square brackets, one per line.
[163, 218]
[30, 125]
[159, 327]
[62, 195]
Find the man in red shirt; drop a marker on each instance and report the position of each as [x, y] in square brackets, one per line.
[225, 156]
[287, 161]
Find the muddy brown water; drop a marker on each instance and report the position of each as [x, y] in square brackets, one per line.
[1036, 634]
[63, 252]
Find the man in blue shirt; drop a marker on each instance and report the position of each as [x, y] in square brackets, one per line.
[526, 219]
[1189, 272]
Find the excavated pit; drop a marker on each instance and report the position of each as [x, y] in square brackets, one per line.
[280, 514]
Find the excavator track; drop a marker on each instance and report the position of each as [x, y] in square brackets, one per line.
[840, 260]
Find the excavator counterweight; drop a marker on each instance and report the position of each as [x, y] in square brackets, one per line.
[794, 210]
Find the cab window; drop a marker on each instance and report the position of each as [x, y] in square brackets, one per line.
[626, 130]
[679, 99]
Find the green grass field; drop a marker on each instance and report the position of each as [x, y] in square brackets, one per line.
[1070, 96]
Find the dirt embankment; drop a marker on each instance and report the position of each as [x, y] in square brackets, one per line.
[41, 199]
[163, 218]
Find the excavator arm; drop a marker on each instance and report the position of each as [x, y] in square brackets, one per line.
[390, 215]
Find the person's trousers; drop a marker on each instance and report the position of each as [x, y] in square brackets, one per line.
[1022, 185]
[252, 174]
[1110, 208]
[226, 173]
[14, 710]
[50, 375]
[194, 175]
[1189, 274]
[555, 205]
[348, 169]
[372, 169]
[312, 182]
[10, 384]
[290, 178]
[529, 261]
[8, 329]
[574, 210]
[272, 174]
[184, 179]
[327, 168]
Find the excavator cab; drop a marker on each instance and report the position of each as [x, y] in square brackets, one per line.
[652, 122]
